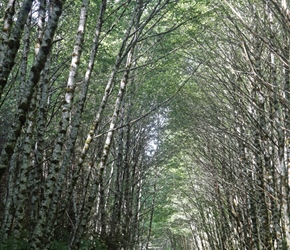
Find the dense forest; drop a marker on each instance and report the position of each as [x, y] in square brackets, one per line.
[145, 124]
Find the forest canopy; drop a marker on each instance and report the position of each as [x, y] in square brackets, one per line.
[145, 124]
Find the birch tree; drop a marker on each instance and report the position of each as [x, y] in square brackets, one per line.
[241, 140]
[77, 104]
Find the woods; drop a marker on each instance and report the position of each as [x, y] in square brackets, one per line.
[144, 124]
[240, 131]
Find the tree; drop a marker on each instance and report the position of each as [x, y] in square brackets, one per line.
[76, 158]
[239, 143]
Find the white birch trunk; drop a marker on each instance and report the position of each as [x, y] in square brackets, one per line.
[85, 214]
[11, 42]
[49, 197]
[25, 99]
[78, 115]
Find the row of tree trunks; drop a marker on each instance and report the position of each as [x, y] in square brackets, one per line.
[74, 162]
[241, 139]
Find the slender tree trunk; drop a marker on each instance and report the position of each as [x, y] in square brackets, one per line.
[34, 76]
[50, 199]
[10, 43]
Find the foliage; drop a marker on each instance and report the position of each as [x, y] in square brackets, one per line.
[144, 124]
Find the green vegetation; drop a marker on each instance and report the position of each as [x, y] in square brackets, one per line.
[144, 124]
